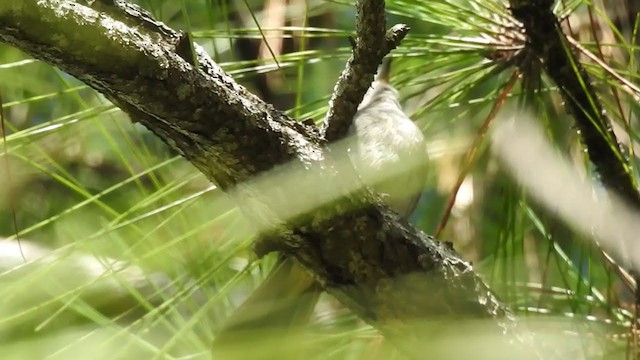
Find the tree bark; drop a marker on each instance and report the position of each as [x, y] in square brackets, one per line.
[390, 274]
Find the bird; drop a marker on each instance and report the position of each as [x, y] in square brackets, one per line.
[388, 152]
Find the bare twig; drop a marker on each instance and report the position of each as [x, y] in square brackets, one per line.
[472, 152]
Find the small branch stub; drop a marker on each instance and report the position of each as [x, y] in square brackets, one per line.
[394, 36]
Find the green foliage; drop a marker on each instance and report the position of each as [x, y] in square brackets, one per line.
[88, 186]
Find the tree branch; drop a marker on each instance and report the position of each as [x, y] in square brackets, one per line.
[372, 44]
[383, 269]
[548, 43]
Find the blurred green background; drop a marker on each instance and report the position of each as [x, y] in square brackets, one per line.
[144, 258]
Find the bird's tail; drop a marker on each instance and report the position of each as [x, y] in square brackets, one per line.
[384, 71]
[282, 305]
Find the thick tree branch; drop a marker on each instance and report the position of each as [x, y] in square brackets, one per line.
[386, 271]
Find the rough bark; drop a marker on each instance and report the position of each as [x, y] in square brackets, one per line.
[382, 268]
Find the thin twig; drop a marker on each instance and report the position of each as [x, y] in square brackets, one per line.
[627, 86]
[472, 153]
